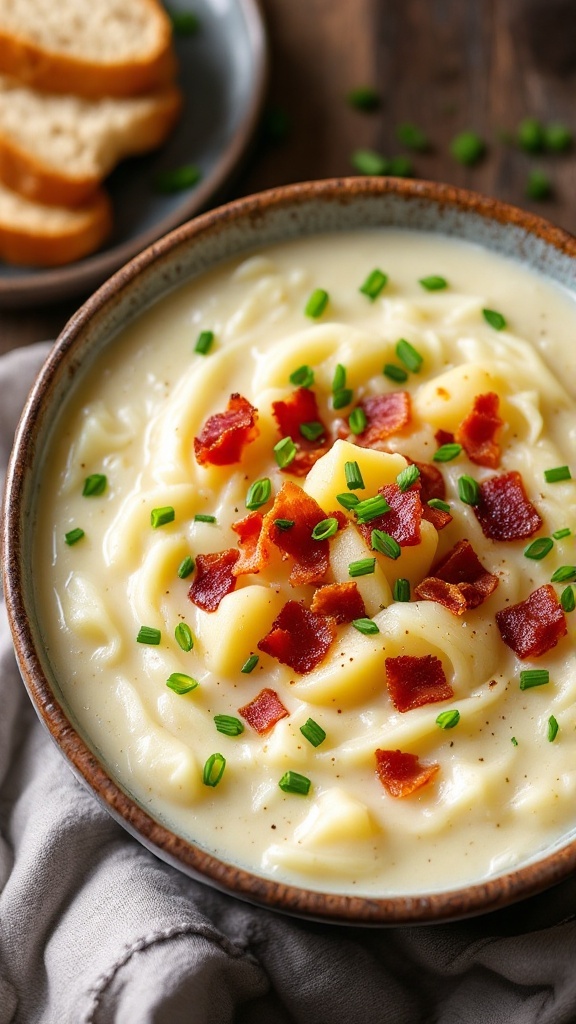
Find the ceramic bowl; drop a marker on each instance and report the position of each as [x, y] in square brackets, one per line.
[274, 216]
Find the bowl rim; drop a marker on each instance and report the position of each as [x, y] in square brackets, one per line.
[540, 873]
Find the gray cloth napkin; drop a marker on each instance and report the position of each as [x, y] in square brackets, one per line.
[94, 929]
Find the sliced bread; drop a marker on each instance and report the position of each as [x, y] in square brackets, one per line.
[57, 149]
[48, 236]
[90, 48]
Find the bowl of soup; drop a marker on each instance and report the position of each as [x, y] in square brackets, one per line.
[289, 550]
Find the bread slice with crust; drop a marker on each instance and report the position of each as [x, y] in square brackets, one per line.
[90, 48]
[57, 149]
[48, 236]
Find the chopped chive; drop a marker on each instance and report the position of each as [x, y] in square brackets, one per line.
[447, 452]
[563, 574]
[448, 719]
[408, 355]
[560, 534]
[204, 342]
[433, 283]
[293, 782]
[213, 770]
[365, 626]
[412, 137]
[94, 485]
[184, 637]
[401, 590]
[228, 725]
[181, 683]
[73, 536]
[258, 494]
[364, 98]
[467, 148]
[538, 185]
[148, 635]
[567, 599]
[370, 508]
[514, 741]
[284, 524]
[374, 284]
[339, 381]
[362, 567]
[348, 501]
[552, 729]
[357, 420]
[186, 567]
[369, 162]
[312, 431]
[495, 319]
[325, 529]
[553, 476]
[469, 490]
[530, 135]
[250, 664]
[316, 303]
[162, 516]
[200, 517]
[177, 179]
[534, 677]
[385, 544]
[400, 167]
[184, 23]
[313, 732]
[557, 138]
[353, 475]
[395, 373]
[303, 377]
[284, 452]
[442, 506]
[407, 477]
[341, 398]
[539, 548]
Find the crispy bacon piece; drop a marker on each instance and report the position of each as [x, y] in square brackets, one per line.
[459, 581]
[299, 638]
[343, 601]
[432, 485]
[402, 521]
[534, 626]
[253, 553]
[225, 435]
[478, 433]
[264, 711]
[386, 414]
[300, 407]
[311, 557]
[505, 512]
[414, 681]
[213, 579]
[443, 437]
[401, 774]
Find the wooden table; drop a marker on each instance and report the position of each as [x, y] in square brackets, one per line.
[444, 65]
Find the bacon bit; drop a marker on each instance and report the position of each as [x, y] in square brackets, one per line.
[225, 435]
[386, 414]
[253, 551]
[213, 579]
[264, 711]
[299, 638]
[534, 626]
[402, 522]
[311, 557]
[413, 682]
[300, 407]
[432, 485]
[459, 581]
[401, 774]
[478, 432]
[505, 511]
[343, 601]
[443, 437]
[436, 516]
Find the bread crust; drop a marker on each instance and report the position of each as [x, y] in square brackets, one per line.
[40, 248]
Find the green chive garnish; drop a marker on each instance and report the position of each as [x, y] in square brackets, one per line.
[365, 626]
[94, 485]
[514, 741]
[342, 398]
[567, 599]
[316, 303]
[557, 138]
[538, 549]
[563, 574]
[148, 635]
[200, 517]
[467, 148]
[162, 516]
[407, 477]
[495, 319]
[448, 719]
[553, 476]
[250, 664]
[370, 508]
[284, 524]
[293, 782]
[73, 536]
[204, 342]
[395, 373]
[400, 167]
[538, 185]
[363, 567]
[401, 590]
[348, 501]
[303, 377]
[324, 529]
[181, 683]
[433, 283]
[530, 135]
[534, 677]
[177, 180]
[552, 729]
[312, 431]
[353, 475]
[412, 137]
[364, 98]
[369, 162]
[469, 490]
[284, 452]
[228, 725]
[184, 637]
[560, 534]
[258, 494]
[313, 732]
[357, 420]
[385, 544]
[186, 567]
[374, 284]
[408, 355]
[339, 380]
[213, 770]
[184, 23]
[447, 452]
[442, 506]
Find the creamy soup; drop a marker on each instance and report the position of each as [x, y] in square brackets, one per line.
[323, 628]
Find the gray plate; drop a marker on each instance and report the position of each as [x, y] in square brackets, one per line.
[222, 74]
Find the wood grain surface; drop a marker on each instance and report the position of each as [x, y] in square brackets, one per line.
[445, 65]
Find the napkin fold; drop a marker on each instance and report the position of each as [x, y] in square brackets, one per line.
[95, 930]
